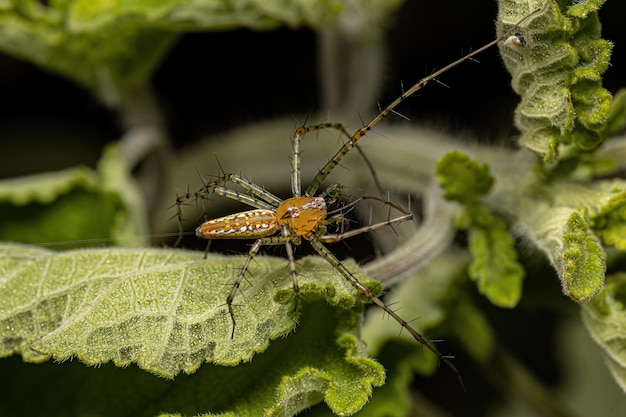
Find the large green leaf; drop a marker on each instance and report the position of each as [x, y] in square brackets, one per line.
[165, 311]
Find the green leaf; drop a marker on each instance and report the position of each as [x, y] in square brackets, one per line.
[75, 205]
[394, 398]
[494, 263]
[570, 221]
[609, 216]
[616, 121]
[584, 259]
[89, 15]
[462, 178]
[293, 373]
[564, 234]
[42, 34]
[165, 311]
[582, 8]
[104, 45]
[605, 319]
[558, 74]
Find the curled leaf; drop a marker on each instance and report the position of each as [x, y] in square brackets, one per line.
[75, 205]
[565, 235]
[605, 319]
[558, 74]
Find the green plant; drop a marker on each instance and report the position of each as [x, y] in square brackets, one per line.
[149, 306]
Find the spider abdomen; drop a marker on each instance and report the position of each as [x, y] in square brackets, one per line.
[252, 224]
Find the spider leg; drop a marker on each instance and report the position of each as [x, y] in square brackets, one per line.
[366, 292]
[362, 131]
[339, 217]
[206, 189]
[236, 286]
[289, 238]
[333, 190]
[296, 186]
[256, 190]
[337, 237]
[258, 197]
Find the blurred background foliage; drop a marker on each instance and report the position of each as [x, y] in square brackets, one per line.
[208, 82]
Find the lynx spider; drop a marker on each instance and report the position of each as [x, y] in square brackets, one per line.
[275, 221]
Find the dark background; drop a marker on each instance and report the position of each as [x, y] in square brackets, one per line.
[211, 82]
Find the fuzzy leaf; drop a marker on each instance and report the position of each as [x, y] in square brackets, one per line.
[41, 33]
[293, 373]
[605, 319]
[609, 216]
[104, 44]
[616, 121]
[462, 178]
[564, 234]
[584, 259]
[74, 205]
[558, 74]
[568, 221]
[165, 311]
[494, 263]
[394, 398]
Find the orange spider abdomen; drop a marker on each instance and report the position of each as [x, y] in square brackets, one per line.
[303, 215]
[251, 224]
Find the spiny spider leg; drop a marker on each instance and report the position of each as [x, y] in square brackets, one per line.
[257, 190]
[359, 133]
[338, 216]
[207, 188]
[256, 246]
[260, 198]
[366, 292]
[296, 185]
